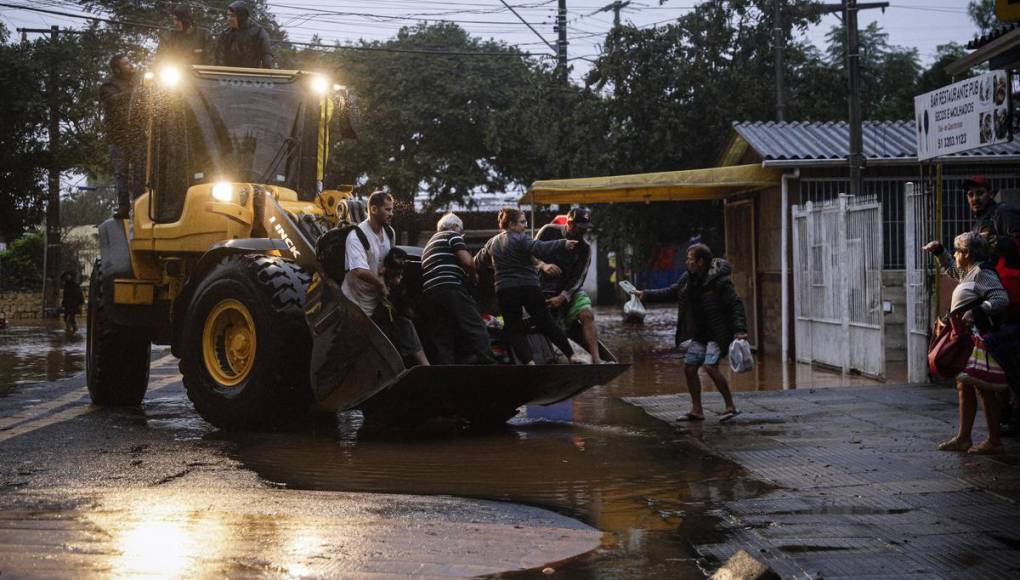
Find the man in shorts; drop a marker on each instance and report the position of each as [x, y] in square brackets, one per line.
[563, 274]
[710, 316]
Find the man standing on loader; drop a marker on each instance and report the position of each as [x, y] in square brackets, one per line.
[366, 247]
[122, 137]
[244, 43]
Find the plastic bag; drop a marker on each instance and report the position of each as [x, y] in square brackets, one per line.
[633, 310]
[741, 360]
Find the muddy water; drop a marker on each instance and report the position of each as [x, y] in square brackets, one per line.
[595, 458]
[39, 351]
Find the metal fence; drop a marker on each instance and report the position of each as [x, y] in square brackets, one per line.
[888, 191]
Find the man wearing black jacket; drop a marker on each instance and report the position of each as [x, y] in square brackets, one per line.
[711, 316]
[123, 138]
[244, 43]
[186, 43]
[563, 274]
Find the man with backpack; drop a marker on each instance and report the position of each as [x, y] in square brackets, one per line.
[366, 247]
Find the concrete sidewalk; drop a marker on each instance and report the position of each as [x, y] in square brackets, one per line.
[861, 490]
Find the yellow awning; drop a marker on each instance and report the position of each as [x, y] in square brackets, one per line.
[690, 185]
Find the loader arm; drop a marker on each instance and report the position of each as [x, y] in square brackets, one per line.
[351, 359]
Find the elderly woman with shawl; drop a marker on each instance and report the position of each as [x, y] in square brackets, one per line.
[979, 300]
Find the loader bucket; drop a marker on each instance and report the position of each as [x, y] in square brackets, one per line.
[481, 395]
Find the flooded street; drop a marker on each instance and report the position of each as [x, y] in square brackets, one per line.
[595, 459]
[39, 351]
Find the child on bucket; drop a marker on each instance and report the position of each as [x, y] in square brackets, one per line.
[509, 254]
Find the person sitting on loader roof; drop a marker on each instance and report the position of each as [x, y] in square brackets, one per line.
[363, 284]
[244, 43]
[186, 43]
[447, 266]
[509, 255]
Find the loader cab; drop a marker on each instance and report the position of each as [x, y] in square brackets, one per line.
[218, 125]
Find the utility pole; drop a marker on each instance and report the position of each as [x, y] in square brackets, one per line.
[779, 47]
[853, 62]
[51, 256]
[849, 9]
[561, 43]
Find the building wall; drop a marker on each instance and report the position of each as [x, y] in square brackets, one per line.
[894, 292]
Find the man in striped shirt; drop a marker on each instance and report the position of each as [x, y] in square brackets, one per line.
[460, 335]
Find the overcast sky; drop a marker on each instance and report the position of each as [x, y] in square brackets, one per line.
[923, 24]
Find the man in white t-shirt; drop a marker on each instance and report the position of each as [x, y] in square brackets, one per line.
[363, 283]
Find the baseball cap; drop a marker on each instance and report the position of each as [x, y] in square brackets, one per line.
[978, 180]
[580, 217]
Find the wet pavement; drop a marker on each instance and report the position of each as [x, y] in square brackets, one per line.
[860, 490]
[39, 351]
[590, 488]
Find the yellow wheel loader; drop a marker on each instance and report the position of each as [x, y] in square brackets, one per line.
[218, 261]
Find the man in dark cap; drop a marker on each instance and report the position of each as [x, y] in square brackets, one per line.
[992, 219]
[186, 43]
[244, 43]
[122, 137]
[562, 277]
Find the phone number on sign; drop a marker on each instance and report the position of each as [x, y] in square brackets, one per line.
[952, 140]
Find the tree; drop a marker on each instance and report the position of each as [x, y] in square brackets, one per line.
[450, 125]
[22, 265]
[22, 154]
[889, 76]
[982, 13]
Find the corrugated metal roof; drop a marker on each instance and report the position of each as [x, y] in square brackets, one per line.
[815, 141]
[996, 31]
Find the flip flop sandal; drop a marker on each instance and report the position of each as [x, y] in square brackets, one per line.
[728, 415]
[689, 417]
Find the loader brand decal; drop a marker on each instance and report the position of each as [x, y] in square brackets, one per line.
[283, 236]
[246, 83]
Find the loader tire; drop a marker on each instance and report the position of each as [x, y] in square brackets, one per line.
[246, 346]
[116, 356]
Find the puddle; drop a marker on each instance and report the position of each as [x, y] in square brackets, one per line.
[39, 351]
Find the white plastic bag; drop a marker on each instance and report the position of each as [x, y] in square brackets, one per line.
[741, 360]
[633, 310]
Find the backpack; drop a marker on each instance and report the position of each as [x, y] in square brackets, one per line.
[331, 247]
[1008, 269]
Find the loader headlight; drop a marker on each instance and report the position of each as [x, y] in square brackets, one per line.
[223, 191]
[320, 84]
[170, 76]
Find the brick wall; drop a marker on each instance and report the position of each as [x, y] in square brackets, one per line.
[20, 305]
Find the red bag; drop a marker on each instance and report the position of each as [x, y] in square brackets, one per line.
[950, 348]
[1008, 270]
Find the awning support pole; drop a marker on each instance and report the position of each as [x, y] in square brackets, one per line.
[785, 264]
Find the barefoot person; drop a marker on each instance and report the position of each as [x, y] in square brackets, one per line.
[509, 255]
[711, 316]
[979, 299]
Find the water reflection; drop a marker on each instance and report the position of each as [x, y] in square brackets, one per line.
[37, 351]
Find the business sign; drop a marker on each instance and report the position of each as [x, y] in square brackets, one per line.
[963, 116]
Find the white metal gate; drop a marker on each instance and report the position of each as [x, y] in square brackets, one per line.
[837, 256]
[918, 230]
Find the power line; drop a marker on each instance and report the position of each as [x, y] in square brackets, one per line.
[521, 18]
[336, 46]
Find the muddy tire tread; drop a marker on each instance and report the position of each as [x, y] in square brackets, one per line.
[280, 391]
[117, 356]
